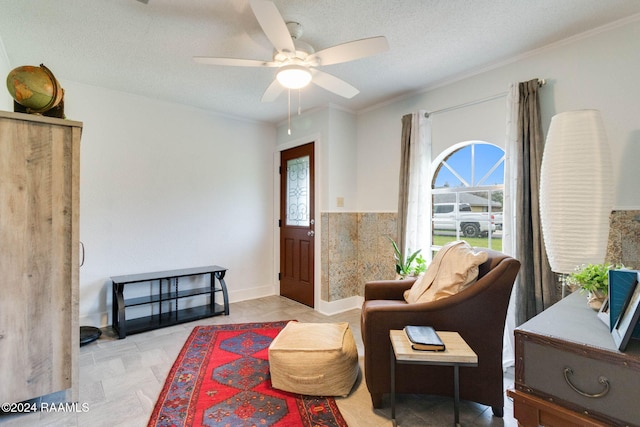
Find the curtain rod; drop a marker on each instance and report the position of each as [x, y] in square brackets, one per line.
[541, 82]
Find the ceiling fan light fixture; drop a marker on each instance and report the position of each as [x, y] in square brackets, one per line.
[294, 76]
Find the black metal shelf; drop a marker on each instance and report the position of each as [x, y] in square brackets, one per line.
[173, 315]
[167, 296]
[148, 323]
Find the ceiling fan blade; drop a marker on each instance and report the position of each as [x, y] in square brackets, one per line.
[273, 25]
[350, 51]
[333, 84]
[234, 62]
[273, 91]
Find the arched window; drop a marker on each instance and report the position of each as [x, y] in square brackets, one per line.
[468, 189]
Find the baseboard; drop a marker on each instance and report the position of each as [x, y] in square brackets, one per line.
[99, 320]
[330, 308]
[253, 293]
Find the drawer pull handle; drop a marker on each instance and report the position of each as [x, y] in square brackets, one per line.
[602, 380]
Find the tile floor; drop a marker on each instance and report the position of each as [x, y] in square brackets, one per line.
[121, 379]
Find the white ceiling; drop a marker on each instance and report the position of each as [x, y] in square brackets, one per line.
[147, 49]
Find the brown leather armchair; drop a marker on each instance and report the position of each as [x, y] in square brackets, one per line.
[477, 313]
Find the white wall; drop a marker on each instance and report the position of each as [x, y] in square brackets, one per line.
[341, 161]
[6, 102]
[166, 186]
[597, 70]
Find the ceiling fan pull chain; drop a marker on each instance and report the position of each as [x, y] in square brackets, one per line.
[299, 101]
[289, 111]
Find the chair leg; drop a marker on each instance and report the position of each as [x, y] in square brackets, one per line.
[376, 400]
[498, 411]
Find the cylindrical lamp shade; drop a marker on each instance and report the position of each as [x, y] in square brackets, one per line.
[576, 191]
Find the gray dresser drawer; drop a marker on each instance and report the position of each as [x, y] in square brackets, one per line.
[580, 380]
[566, 356]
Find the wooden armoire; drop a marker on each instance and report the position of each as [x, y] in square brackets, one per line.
[39, 256]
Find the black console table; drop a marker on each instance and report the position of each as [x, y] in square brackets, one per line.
[172, 294]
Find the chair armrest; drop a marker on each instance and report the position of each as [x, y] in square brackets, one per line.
[447, 314]
[390, 314]
[387, 289]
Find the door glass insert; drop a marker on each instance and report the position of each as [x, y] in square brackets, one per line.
[298, 191]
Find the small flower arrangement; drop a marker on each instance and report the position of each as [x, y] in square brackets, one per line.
[593, 278]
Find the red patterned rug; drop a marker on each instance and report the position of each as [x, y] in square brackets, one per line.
[221, 378]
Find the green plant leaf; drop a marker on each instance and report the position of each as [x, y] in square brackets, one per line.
[593, 277]
[406, 266]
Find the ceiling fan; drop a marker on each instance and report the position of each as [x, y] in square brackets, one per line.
[296, 60]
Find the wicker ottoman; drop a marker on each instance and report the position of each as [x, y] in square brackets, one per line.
[317, 359]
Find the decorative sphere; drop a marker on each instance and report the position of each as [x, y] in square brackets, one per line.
[35, 88]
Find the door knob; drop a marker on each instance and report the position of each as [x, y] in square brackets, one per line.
[310, 233]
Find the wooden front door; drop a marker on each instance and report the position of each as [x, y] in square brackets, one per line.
[297, 224]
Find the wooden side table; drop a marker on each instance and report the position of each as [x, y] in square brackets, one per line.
[457, 353]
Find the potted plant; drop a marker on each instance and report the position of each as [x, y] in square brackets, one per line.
[411, 265]
[594, 279]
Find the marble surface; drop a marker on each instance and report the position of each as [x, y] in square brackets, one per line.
[624, 239]
[120, 379]
[355, 250]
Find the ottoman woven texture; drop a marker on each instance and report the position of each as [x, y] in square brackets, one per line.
[316, 359]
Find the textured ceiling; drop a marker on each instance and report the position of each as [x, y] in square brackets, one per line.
[147, 49]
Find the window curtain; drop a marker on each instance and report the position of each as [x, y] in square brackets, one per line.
[414, 196]
[509, 211]
[535, 285]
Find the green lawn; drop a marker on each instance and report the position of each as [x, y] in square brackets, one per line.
[482, 242]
